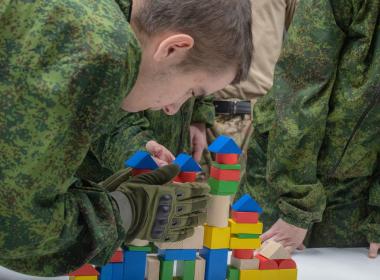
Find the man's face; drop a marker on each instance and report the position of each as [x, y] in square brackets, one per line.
[168, 90]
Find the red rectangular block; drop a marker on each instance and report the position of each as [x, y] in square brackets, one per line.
[245, 217]
[225, 175]
[286, 264]
[117, 257]
[266, 264]
[136, 172]
[86, 270]
[227, 158]
[243, 253]
[186, 177]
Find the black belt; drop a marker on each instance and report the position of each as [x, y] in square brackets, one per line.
[233, 107]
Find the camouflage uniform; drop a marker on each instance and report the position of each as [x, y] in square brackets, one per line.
[134, 130]
[314, 158]
[65, 67]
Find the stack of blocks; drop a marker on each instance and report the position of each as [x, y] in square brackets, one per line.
[86, 272]
[184, 252]
[224, 181]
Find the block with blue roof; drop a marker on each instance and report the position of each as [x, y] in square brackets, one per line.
[226, 150]
[141, 162]
[189, 168]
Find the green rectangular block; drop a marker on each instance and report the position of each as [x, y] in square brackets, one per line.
[226, 166]
[188, 270]
[233, 273]
[222, 187]
[247, 236]
[166, 270]
[147, 249]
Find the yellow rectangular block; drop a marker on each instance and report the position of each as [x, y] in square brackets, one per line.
[251, 275]
[86, 277]
[245, 228]
[287, 274]
[270, 274]
[237, 243]
[216, 238]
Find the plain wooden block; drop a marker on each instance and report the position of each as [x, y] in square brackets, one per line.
[200, 267]
[245, 264]
[193, 242]
[153, 268]
[216, 238]
[245, 228]
[218, 210]
[237, 243]
[139, 242]
[274, 250]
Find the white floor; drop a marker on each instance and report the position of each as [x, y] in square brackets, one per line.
[313, 264]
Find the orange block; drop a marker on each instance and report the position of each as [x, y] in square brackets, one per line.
[227, 158]
[266, 264]
[286, 264]
[225, 175]
[186, 177]
[86, 270]
[245, 217]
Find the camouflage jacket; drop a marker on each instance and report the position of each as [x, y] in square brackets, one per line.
[322, 116]
[65, 67]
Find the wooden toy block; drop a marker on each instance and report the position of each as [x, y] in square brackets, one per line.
[166, 270]
[222, 187]
[245, 217]
[186, 269]
[139, 242]
[187, 163]
[134, 264]
[141, 160]
[117, 257]
[177, 254]
[245, 264]
[224, 145]
[85, 270]
[247, 235]
[252, 274]
[153, 268]
[246, 204]
[227, 158]
[86, 277]
[186, 177]
[233, 273]
[216, 263]
[200, 268]
[73, 277]
[266, 264]
[286, 264]
[243, 253]
[245, 228]
[226, 166]
[216, 238]
[147, 249]
[193, 242]
[237, 243]
[270, 274]
[225, 175]
[106, 272]
[287, 274]
[117, 271]
[218, 210]
[274, 250]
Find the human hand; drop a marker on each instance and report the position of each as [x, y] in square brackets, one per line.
[290, 236]
[161, 155]
[198, 140]
[373, 250]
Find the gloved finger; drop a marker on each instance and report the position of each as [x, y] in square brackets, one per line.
[188, 220]
[373, 250]
[190, 190]
[178, 235]
[159, 176]
[112, 182]
[191, 206]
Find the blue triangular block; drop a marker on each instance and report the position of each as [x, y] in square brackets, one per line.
[141, 160]
[187, 163]
[247, 204]
[224, 145]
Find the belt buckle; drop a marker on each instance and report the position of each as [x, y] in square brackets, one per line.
[234, 107]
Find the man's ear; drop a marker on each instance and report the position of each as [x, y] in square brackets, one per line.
[174, 47]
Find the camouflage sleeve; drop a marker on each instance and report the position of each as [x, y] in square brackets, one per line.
[204, 111]
[303, 84]
[130, 134]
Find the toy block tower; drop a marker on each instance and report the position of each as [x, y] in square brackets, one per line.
[189, 168]
[114, 269]
[141, 162]
[86, 272]
[183, 252]
[224, 180]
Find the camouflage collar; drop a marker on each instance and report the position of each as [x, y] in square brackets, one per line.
[126, 8]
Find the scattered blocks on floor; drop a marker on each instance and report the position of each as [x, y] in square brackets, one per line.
[245, 217]
[245, 228]
[216, 238]
[246, 204]
[177, 254]
[222, 187]
[218, 210]
[216, 263]
[237, 243]
[245, 264]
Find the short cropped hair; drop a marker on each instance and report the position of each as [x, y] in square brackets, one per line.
[221, 30]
